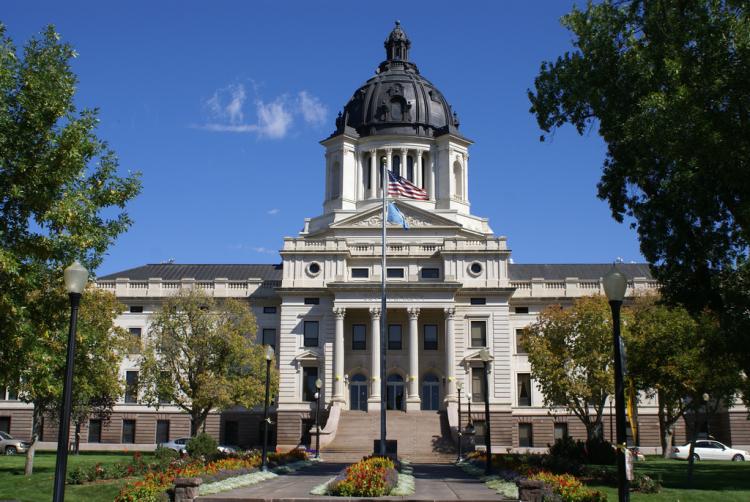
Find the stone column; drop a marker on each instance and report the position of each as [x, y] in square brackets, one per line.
[413, 401]
[373, 402]
[466, 177]
[418, 169]
[404, 172]
[373, 174]
[450, 354]
[431, 175]
[338, 356]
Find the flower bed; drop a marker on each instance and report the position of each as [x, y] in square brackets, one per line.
[569, 488]
[371, 477]
[155, 482]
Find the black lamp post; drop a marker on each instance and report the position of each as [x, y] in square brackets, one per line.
[459, 388]
[485, 356]
[318, 385]
[75, 282]
[615, 284]
[266, 420]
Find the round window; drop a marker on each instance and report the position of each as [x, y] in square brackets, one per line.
[313, 268]
[475, 268]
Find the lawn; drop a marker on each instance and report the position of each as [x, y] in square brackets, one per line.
[15, 486]
[713, 480]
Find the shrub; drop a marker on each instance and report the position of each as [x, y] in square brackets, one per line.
[164, 456]
[569, 488]
[593, 451]
[201, 445]
[77, 475]
[645, 484]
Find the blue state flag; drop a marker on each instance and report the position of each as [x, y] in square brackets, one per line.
[396, 216]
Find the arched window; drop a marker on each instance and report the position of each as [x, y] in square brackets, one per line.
[336, 181]
[458, 180]
[396, 167]
[366, 181]
[410, 168]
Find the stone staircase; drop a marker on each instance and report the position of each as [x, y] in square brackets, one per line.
[423, 436]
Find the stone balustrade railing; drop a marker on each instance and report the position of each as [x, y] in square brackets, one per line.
[156, 287]
[403, 248]
[573, 287]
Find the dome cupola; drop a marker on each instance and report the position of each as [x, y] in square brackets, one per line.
[397, 100]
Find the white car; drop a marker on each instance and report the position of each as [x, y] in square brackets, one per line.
[179, 445]
[706, 449]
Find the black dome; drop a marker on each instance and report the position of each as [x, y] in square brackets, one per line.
[397, 100]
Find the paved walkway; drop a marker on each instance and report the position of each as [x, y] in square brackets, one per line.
[438, 482]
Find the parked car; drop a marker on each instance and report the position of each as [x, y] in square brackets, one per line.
[225, 448]
[10, 445]
[710, 450]
[179, 445]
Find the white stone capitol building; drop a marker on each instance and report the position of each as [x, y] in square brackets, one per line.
[452, 290]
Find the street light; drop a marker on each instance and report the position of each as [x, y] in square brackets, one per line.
[75, 277]
[459, 387]
[318, 385]
[485, 356]
[615, 284]
[266, 420]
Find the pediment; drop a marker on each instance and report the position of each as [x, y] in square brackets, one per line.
[475, 357]
[415, 218]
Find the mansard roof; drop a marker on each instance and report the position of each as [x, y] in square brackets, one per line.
[199, 272]
[585, 271]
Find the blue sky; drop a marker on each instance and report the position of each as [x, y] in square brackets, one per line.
[221, 106]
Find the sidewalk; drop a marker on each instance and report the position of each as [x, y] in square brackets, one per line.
[432, 482]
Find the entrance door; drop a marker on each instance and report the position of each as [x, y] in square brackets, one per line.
[358, 393]
[431, 392]
[395, 392]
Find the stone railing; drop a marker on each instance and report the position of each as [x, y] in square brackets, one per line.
[573, 287]
[156, 287]
[403, 248]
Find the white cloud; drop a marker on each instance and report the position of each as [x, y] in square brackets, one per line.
[274, 211]
[264, 250]
[274, 119]
[313, 111]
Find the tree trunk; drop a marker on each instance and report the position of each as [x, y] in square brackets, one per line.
[28, 469]
[78, 437]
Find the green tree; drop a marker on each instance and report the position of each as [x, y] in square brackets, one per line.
[667, 86]
[96, 383]
[670, 357]
[570, 352]
[201, 355]
[61, 197]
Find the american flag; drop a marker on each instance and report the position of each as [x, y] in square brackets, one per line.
[403, 187]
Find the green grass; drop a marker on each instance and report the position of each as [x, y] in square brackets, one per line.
[38, 488]
[713, 480]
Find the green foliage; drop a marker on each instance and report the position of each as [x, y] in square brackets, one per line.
[164, 456]
[201, 355]
[569, 488]
[667, 84]
[371, 477]
[61, 196]
[202, 445]
[570, 352]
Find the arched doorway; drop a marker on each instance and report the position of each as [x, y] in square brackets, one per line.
[395, 392]
[430, 392]
[358, 392]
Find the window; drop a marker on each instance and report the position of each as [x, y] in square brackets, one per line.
[5, 425]
[395, 273]
[165, 394]
[521, 310]
[95, 431]
[135, 334]
[430, 334]
[475, 268]
[520, 349]
[430, 273]
[360, 273]
[394, 337]
[478, 333]
[136, 309]
[561, 431]
[309, 375]
[131, 386]
[524, 389]
[480, 430]
[128, 431]
[396, 112]
[477, 384]
[525, 435]
[314, 268]
[312, 301]
[479, 301]
[12, 394]
[162, 431]
[269, 310]
[231, 432]
[359, 337]
[269, 337]
[311, 334]
[410, 168]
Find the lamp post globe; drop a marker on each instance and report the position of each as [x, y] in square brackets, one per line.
[269, 353]
[75, 278]
[615, 284]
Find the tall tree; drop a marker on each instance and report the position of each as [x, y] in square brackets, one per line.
[61, 197]
[667, 86]
[96, 383]
[570, 352]
[201, 355]
[670, 358]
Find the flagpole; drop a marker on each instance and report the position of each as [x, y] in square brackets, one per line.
[383, 319]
